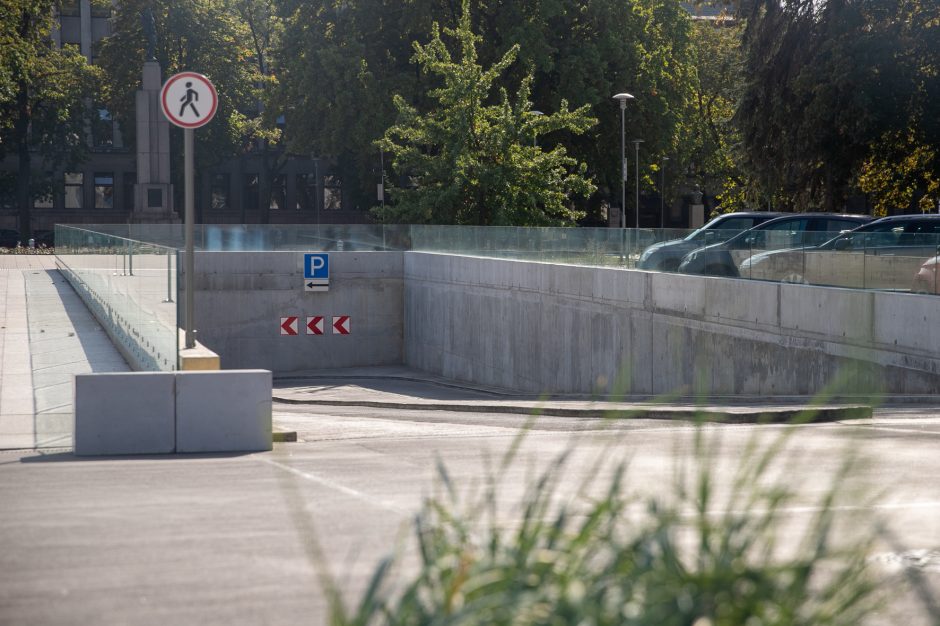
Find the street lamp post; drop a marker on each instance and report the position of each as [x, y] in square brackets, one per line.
[623, 97]
[637, 142]
[662, 194]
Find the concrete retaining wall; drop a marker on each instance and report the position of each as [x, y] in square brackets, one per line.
[241, 296]
[541, 327]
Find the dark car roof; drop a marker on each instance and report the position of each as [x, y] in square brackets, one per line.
[859, 219]
[751, 214]
[907, 217]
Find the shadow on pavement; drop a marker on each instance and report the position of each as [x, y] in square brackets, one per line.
[69, 457]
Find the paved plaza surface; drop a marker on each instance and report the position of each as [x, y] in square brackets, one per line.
[244, 538]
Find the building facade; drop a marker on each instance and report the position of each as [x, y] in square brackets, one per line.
[104, 189]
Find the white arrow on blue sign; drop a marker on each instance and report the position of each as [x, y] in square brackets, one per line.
[316, 272]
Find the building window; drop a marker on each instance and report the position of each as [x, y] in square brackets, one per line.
[104, 190]
[8, 190]
[278, 193]
[219, 191]
[73, 190]
[155, 198]
[70, 8]
[42, 199]
[306, 185]
[103, 129]
[332, 194]
[250, 192]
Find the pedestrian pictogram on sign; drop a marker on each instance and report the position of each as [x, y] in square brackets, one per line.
[341, 325]
[189, 100]
[289, 326]
[315, 325]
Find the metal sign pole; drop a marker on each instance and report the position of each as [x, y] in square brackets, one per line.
[189, 218]
[183, 90]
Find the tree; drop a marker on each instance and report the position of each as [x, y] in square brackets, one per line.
[208, 36]
[338, 62]
[708, 147]
[902, 174]
[43, 96]
[342, 59]
[825, 81]
[469, 160]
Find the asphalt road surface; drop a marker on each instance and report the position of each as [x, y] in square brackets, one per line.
[245, 538]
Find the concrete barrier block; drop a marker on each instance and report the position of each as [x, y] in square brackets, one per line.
[620, 286]
[907, 321]
[227, 411]
[679, 294]
[836, 313]
[565, 280]
[751, 302]
[124, 413]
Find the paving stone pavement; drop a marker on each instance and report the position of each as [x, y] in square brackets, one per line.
[47, 337]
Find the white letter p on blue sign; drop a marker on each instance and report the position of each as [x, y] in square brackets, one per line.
[317, 266]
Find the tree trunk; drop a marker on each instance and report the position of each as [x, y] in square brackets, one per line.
[265, 180]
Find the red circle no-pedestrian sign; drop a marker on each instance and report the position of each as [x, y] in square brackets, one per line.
[188, 100]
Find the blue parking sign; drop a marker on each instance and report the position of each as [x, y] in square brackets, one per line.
[317, 266]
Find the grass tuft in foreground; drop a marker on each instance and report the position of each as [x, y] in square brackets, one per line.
[682, 558]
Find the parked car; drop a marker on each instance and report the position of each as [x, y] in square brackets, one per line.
[883, 254]
[665, 256]
[9, 238]
[791, 231]
[927, 279]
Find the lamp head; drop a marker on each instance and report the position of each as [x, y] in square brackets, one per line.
[623, 97]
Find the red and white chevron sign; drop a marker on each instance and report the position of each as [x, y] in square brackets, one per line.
[341, 325]
[315, 325]
[289, 325]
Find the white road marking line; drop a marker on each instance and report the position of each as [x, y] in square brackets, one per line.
[847, 508]
[349, 491]
[910, 431]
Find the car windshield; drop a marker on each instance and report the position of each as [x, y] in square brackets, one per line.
[883, 233]
[723, 225]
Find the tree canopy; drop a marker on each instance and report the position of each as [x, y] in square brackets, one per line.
[43, 96]
[224, 39]
[342, 60]
[827, 83]
[470, 159]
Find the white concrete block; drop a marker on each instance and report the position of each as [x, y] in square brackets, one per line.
[836, 313]
[731, 301]
[907, 321]
[677, 293]
[226, 411]
[124, 413]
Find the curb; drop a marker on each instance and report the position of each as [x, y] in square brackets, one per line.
[757, 416]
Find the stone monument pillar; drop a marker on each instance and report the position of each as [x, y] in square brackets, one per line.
[153, 194]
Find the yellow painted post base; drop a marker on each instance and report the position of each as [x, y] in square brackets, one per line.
[199, 358]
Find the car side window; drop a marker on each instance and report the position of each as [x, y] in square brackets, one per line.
[785, 234]
[737, 223]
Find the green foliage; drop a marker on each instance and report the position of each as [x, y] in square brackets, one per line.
[709, 140]
[901, 174]
[43, 95]
[692, 558]
[825, 81]
[341, 60]
[470, 161]
[206, 36]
